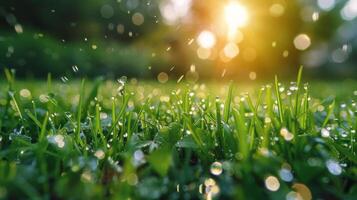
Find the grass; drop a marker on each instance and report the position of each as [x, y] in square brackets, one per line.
[91, 140]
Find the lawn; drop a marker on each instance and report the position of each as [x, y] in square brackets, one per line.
[130, 139]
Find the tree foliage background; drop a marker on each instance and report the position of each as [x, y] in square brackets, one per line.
[133, 38]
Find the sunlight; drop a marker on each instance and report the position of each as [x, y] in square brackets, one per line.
[236, 15]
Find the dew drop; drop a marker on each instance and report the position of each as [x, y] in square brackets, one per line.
[286, 175]
[325, 133]
[272, 183]
[333, 167]
[99, 154]
[216, 168]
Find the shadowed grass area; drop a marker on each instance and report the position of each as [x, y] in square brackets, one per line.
[144, 140]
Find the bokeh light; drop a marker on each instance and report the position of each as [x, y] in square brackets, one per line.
[173, 11]
[302, 190]
[206, 39]
[162, 77]
[138, 19]
[326, 4]
[203, 53]
[277, 10]
[272, 183]
[231, 50]
[349, 11]
[302, 42]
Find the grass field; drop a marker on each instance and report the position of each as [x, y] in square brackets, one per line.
[144, 140]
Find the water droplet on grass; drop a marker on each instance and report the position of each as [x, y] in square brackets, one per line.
[25, 93]
[333, 167]
[103, 115]
[86, 176]
[286, 175]
[272, 183]
[286, 134]
[325, 133]
[99, 154]
[216, 168]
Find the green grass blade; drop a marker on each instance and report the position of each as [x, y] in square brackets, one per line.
[278, 98]
[79, 111]
[43, 128]
[331, 107]
[227, 104]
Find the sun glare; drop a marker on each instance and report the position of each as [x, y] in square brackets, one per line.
[236, 15]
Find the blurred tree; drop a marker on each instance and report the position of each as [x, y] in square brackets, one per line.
[277, 36]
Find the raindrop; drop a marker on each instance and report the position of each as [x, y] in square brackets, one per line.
[181, 77]
[190, 41]
[64, 79]
[223, 73]
[75, 68]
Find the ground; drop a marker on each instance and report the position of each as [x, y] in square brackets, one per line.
[146, 140]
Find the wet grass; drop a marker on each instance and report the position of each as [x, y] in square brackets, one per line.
[143, 140]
